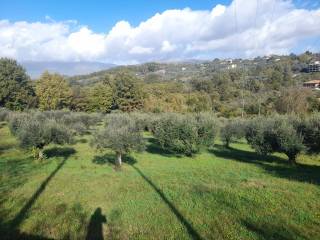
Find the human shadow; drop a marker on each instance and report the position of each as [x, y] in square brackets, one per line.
[188, 226]
[153, 147]
[95, 227]
[65, 153]
[274, 165]
[110, 159]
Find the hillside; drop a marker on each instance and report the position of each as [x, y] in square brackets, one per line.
[188, 70]
[35, 69]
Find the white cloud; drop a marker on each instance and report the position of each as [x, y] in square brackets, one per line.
[241, 29]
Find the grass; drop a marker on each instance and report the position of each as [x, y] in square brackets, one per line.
[219, 194]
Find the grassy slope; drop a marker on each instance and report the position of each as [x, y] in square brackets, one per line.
[219, 194]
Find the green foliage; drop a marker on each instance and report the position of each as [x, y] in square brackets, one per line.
[275, 135]
[128, 93]
[232, 130]
[100, 98]
[16, 92]
[4, 113]
[53, 92]
[36, 131]
[184, 133]
[207, 127]
[121, 135]
[310, 130]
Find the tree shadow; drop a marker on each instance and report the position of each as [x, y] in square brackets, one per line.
[17, 235]
[269, 231]
[281, 168]
[109, 158]
[191, 231]
[95, 227]
[154, 147]
[65, 152]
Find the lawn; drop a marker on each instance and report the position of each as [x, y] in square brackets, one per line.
[76, 193]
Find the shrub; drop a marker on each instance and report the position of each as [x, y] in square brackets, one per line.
[275, 135]
[121, 134]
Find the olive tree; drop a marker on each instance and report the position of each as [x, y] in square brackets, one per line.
[121, 134]
[184, 133]
[232, 130]
[275, 135]
[34, 132]
[310, 130]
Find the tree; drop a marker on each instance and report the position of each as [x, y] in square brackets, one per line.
[233, 129]
[184, 134]
[121, 134]
[53, 92]
[34, 132]
[275, 135]
[310, 130]
[128, 93]
[16, 92]
[293, 100]
[100, 98]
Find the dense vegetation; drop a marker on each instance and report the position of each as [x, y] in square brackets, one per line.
[163, 131]
[230, 88]
[160, 193]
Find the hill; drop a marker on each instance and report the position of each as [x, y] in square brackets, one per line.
[35, 69]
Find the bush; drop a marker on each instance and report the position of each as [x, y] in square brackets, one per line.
[231, 131]
[275, 135]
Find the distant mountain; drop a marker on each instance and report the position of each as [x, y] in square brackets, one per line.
[35, 69]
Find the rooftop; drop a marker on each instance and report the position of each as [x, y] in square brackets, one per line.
[313, 82]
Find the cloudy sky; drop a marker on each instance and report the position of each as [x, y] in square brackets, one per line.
[130, 32]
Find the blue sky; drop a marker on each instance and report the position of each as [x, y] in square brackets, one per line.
[99, 15]
[111, 31]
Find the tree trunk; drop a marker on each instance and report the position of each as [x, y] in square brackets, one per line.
[292, 160]
[40, 154]
[119, 159]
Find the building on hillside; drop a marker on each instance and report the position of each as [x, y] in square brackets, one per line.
[314, 67]
[314, 84]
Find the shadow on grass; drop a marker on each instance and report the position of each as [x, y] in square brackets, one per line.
[95, 227]
[191, 231]
[269, 231]
[281, 168]
[64, 152]
[110, 159]
[154, 147]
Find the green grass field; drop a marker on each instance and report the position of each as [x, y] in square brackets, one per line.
[76, 193]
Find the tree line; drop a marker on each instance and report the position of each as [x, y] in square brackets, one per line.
[262, 89]
[184, 134]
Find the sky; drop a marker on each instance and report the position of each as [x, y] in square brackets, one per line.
[129, 32]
